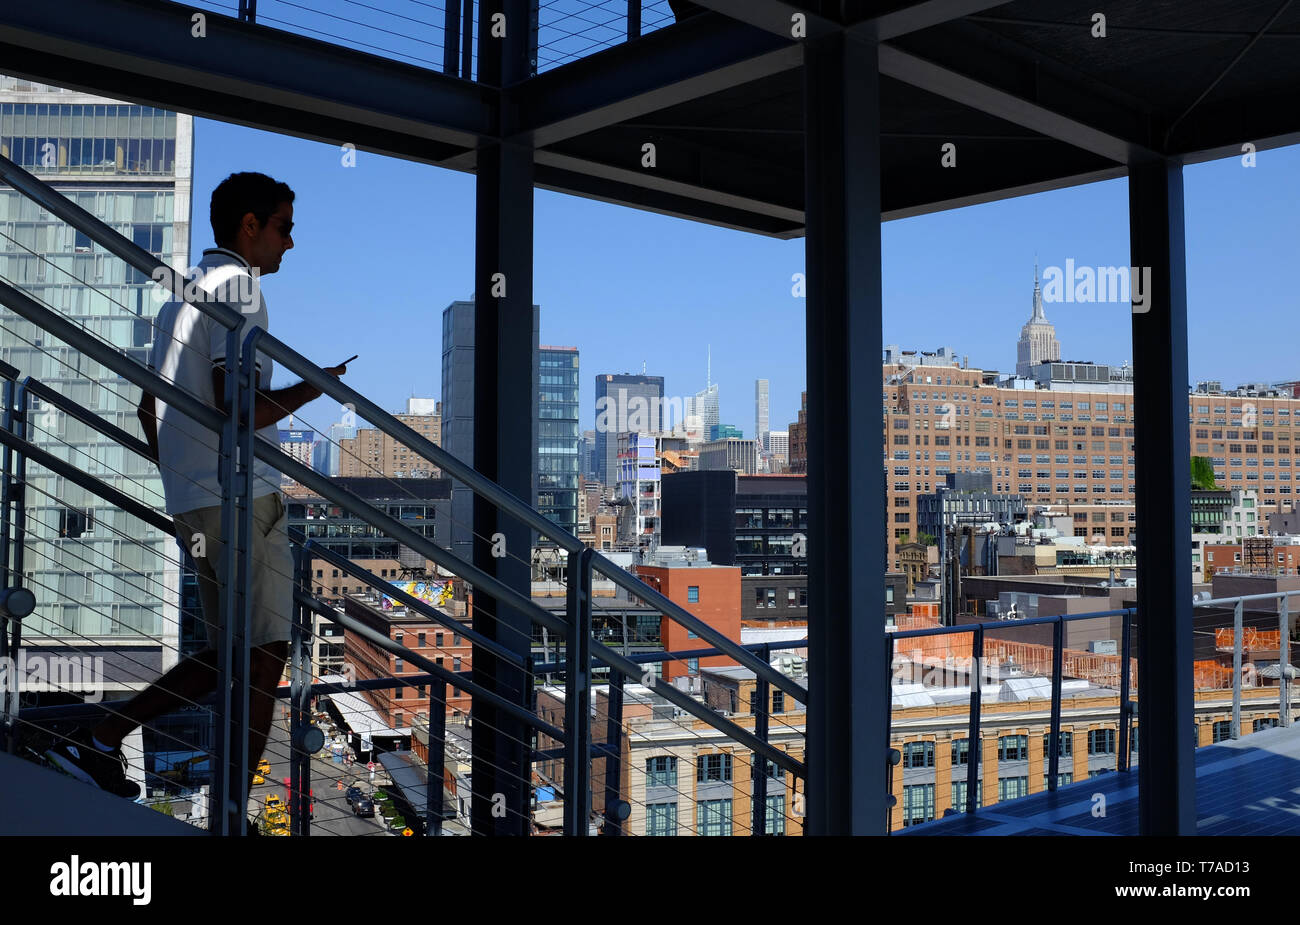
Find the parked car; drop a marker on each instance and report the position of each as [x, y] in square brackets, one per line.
[354, 793]
[364, 806]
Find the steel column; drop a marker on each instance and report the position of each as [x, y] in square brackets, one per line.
[762, 698]
[1058, 670]
[1284, 663]
[435, 760]
[577, 697]
[1166, 773]
[846, 504]
[1125, 705]
[299, 699]
[505, 388]
[614, 751]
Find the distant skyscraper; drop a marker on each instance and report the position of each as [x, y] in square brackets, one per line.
[298, 444]
[587, 454]
[778, 447]
[330, 448]
[760, 413]
[624, 403]
[458, 417]
[557, 436]
[1037, 338]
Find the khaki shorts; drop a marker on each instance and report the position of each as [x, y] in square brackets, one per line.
[272, 561]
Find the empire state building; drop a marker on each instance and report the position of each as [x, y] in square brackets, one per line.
[1037, 337]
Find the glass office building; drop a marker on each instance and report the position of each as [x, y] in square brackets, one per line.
[97, 572]
[557, 435]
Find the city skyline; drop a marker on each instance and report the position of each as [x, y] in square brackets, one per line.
[961, 278]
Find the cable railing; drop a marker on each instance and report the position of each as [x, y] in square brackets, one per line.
[239, 449]
[1053, 663]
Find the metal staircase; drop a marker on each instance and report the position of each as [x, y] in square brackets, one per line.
[582, 653]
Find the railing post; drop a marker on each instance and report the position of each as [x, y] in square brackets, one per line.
[614, 754]
[1284, 662]
[435, 760]
[228, 814]
[1054, 741]
[18, 488]
[299, 701]
[1236, 669]
[633, 19]
[762, 697]
[8, 692]
[1125, 708]
[973, 753]
[577, 697]
[450, 38]
[467, 41]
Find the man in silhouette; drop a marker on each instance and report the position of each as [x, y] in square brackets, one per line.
[252, 222]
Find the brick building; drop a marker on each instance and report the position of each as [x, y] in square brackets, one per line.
[710, 592]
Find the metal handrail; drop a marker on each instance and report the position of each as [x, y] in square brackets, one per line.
[1057, 622]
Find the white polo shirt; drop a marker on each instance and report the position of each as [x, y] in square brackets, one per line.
[187, 343]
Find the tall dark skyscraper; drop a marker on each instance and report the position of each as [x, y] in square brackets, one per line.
[458, 417]
[557, 436]
[624, 403]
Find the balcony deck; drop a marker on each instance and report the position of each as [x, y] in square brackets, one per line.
[1247, 787]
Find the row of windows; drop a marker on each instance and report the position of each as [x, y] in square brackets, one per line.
[1010, 748]
[712, 817]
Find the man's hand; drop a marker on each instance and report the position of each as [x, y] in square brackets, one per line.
[335, 371]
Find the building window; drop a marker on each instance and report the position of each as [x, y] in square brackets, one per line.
[693, 594]
[959, 795]
[961, 751]
[1065, 745]
[918, 803]
[1222, 731]
[712, 768]
[397, 666]
[1101, 741]
[1267, 722]
[419, 640]
[776, 814]
[1013, 748]
[1063, 778]
[1009, 788]
[693, 665]
[918, 755]
[437, 640]
[661, 771]
[661, 819]
[713, 817]
[778, 701]
[397, 720]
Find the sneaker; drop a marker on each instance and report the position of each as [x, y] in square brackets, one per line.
[79, 757]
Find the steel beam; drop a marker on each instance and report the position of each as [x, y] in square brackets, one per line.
[504, 388]
[846, 551]
[775, 16]
[985, 97]
[667, 67]
[903, 18]
[147, 51]
[1166, 773]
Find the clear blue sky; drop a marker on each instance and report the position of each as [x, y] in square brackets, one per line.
[383, 247]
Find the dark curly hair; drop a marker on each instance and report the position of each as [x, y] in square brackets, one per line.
[239, 194]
